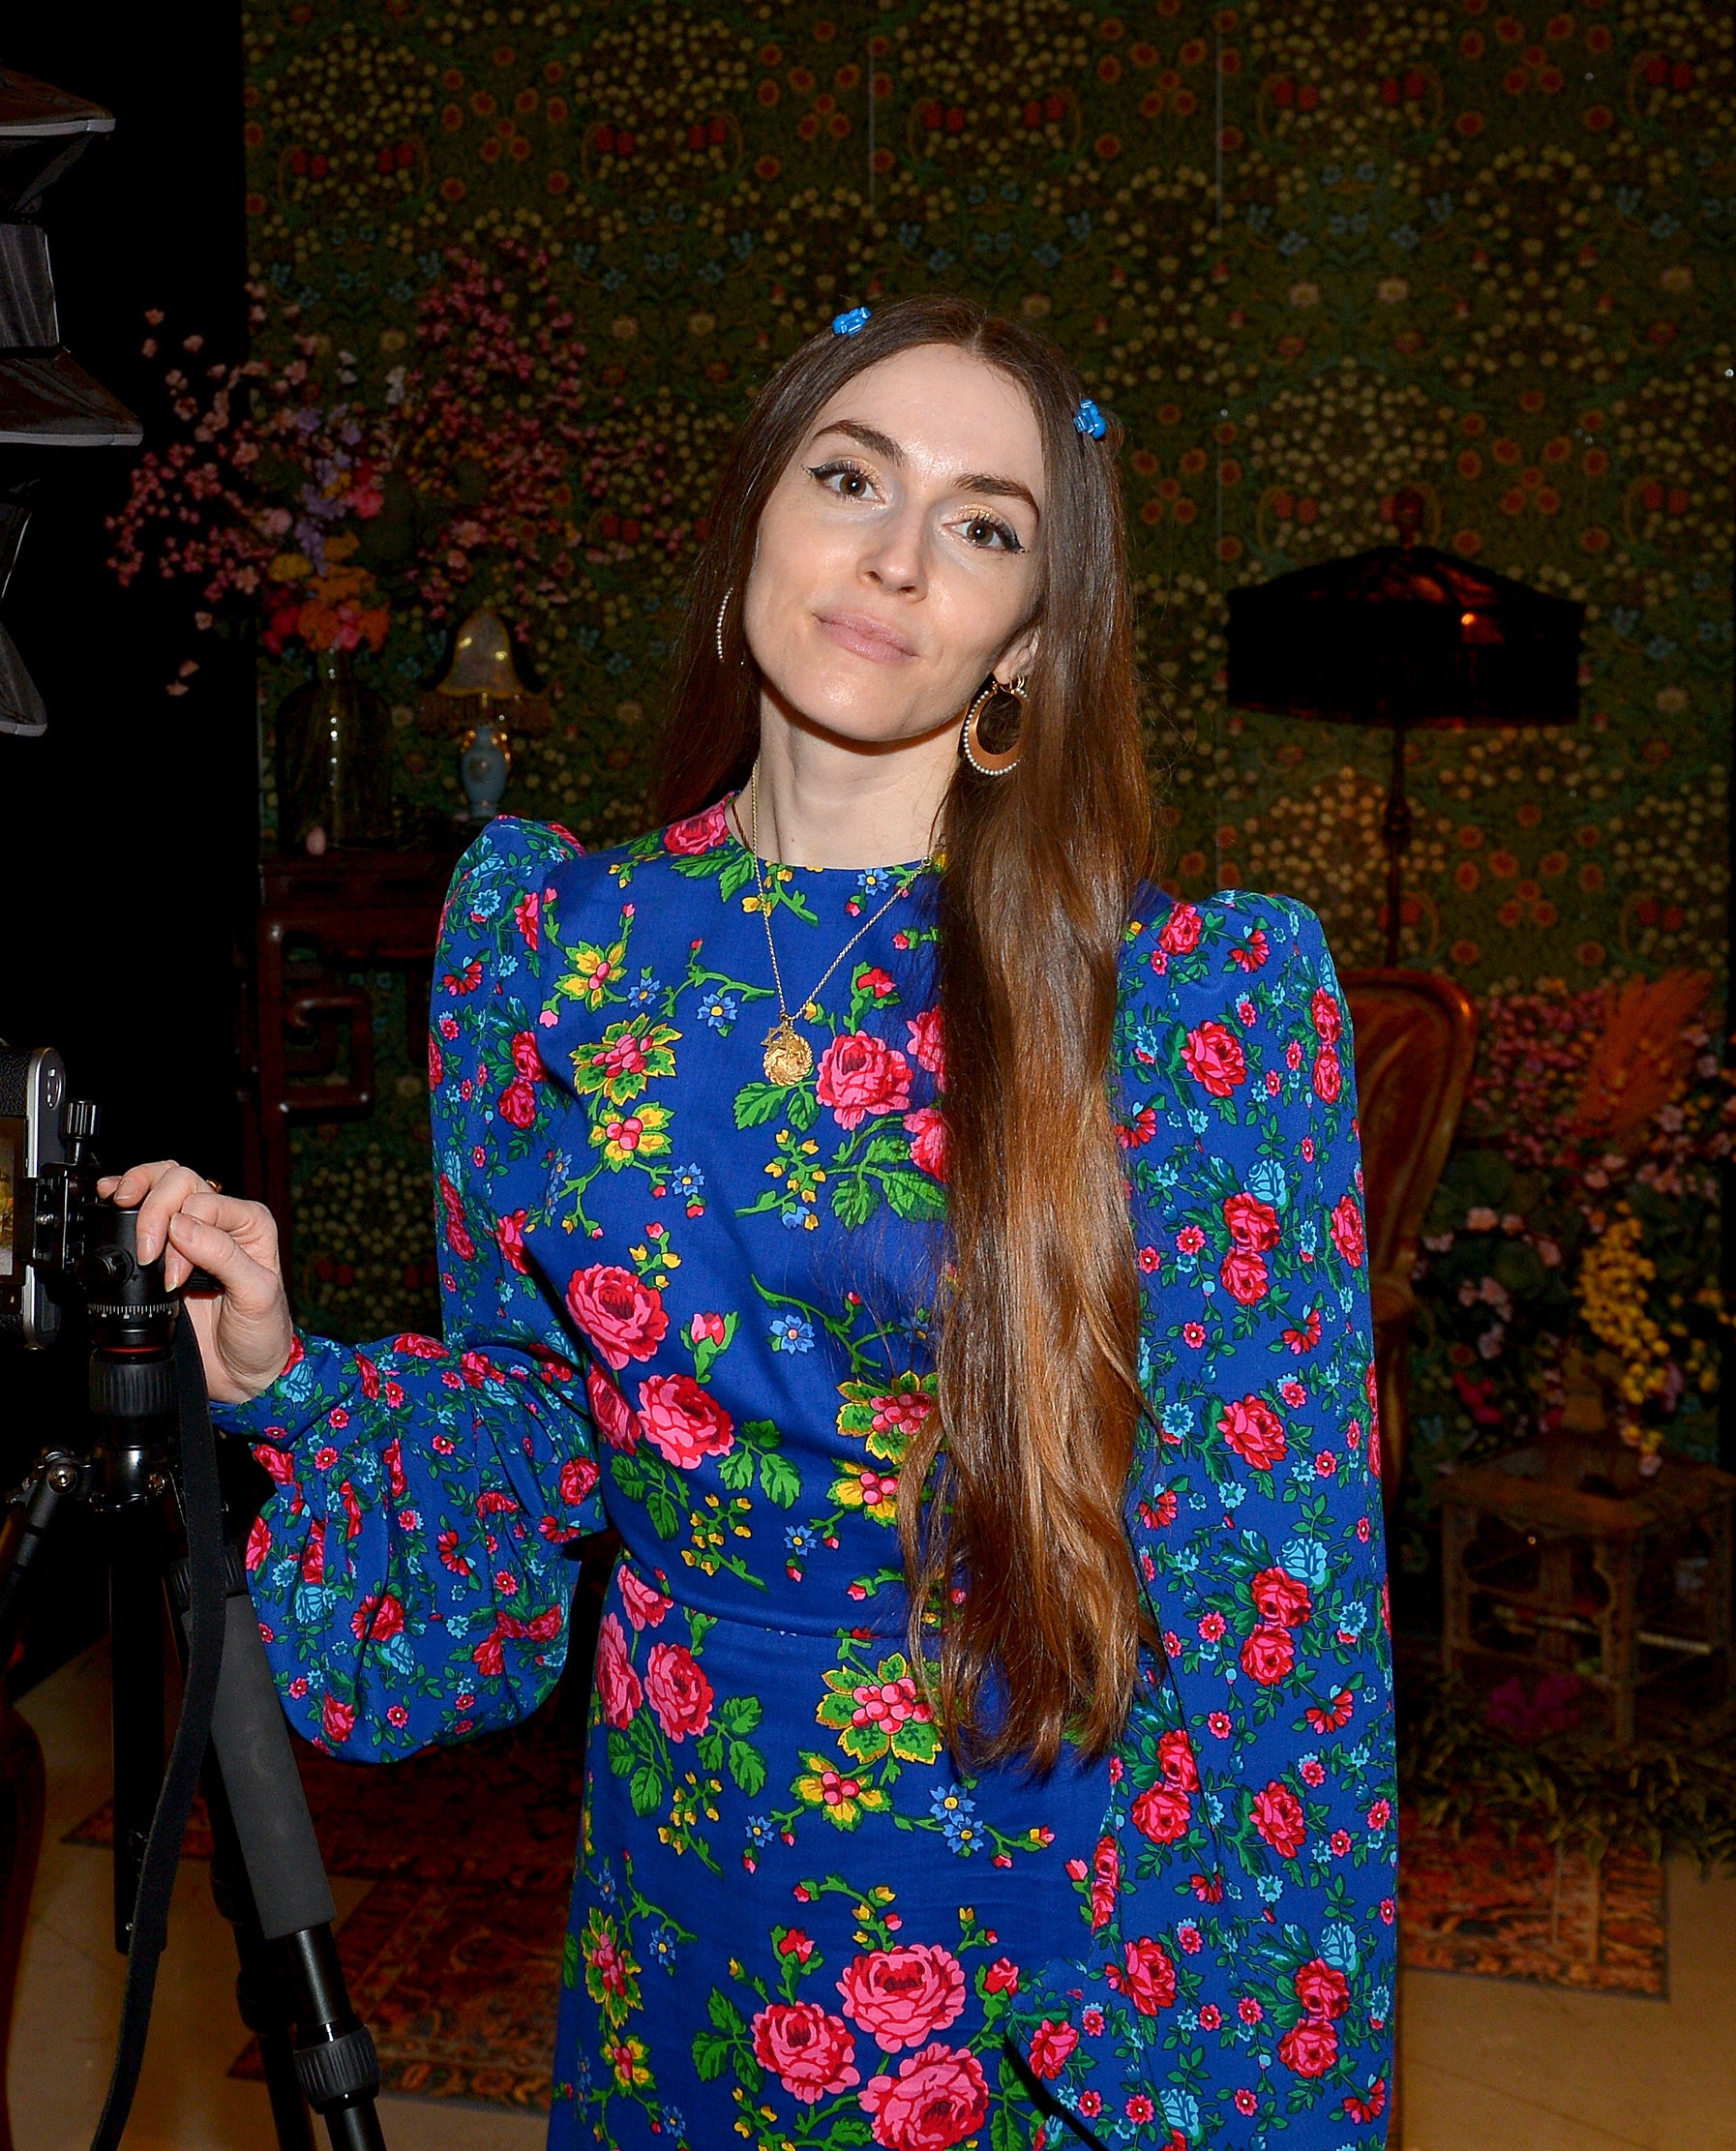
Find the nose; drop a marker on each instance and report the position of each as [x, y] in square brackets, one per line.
[895, 556]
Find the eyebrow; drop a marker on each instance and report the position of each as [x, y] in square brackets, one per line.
[978, 480]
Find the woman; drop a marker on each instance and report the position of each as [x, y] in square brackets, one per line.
[989, 1739]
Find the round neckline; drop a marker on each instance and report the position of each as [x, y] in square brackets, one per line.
[896, 866]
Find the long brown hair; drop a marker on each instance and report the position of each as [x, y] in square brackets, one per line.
[1014, 1489]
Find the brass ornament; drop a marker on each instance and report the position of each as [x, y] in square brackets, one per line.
[981, 759]
[789, 1057]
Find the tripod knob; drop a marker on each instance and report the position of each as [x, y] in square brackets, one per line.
[132, 1389]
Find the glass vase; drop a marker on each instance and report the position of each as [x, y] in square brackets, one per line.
[334, 762]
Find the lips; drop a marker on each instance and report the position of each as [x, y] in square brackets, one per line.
[869, 637]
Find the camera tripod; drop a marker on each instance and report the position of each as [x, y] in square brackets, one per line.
[151, 1479]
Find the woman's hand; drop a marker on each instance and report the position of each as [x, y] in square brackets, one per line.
[244, 1334]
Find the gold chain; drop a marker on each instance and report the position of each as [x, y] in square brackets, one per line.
[789, 1057]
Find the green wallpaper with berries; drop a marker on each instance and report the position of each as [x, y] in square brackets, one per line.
[1308, 253]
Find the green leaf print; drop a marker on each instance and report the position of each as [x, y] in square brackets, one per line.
[747, 1766]
[801, 1106]
[854, 1200]
[710, 2055]
[735, 1468]
[914, 1195]
[780, 1479]
[755, 1103]
[645, 1790]
[739, 1714]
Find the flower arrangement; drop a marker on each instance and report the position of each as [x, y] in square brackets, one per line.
[1568, 1272]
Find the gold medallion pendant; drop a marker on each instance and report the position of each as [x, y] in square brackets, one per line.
[789, 1057]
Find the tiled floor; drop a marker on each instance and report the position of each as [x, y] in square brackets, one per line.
[1490, 2065]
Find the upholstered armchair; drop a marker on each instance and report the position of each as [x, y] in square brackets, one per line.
[1414, 1038]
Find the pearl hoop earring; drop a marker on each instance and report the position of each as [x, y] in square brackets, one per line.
[721, 611]
[981, 760]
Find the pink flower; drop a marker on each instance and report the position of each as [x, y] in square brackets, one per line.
[926, 1128]
[678, 1691]
[1328, 1025]
[1321, 1988]
[1253, 1224]
[1308, 2048]
[1163, 1814]
[617, 1683]
[509, 1237]
[1283, 1600]
[1348, 1236]
[624, 1317]
[1147, 1975]
[860, 1074]
[937, 2099]
[1175, 1760]
[1278, 1818]
[1268, 1656]
[1329, 1076]
[1255, 1431]
[1050, 2045]
[683, 1423]
[811, 2054]
[923, 1036]
[1243, 1276]
[1214, 1059]
[1106, 1877]
[616, 1420]
[1180, 931]
[902, 1996]
[337, 1720]
[646, 1608]
[700, 832]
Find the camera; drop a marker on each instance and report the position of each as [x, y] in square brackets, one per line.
[46, 1193]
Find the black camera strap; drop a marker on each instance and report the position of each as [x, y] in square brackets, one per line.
[202, 1517]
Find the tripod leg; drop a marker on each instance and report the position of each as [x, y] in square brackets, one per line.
[136, 1553]
[56, 1481]
[334, 2057]
[265, 1989]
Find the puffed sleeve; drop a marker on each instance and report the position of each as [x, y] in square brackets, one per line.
[1236, 1966]
[407, 1567]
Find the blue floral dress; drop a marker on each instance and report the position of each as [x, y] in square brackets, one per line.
[694, 1305]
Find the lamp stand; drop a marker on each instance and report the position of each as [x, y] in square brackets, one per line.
[1395, 835]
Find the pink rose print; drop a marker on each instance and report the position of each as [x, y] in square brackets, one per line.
[1214, 1059]
[457, 1233]
[646, 1608]
[1328, 1025]
[679, 1694]
[1321, 1988]
[698, 833]
[1278, 1818]
[811, 2054]
[379, 1618]
[616, 1420]
[1309, 2050]
[509, 1237]
[937, 2099]
[1283, 1600]
[617, 1683]
[337, 1720]
[1268, 1656]
[922, 1034]
[1329, 1076]
[526, 914]
[1180, 931]
[1255, 1431]
[902, 1996]
[436, 1065]
[1245, 1278]
[1147, 1975]
[1348, 1236]
[1253, 1224]
[622, 1316]
[926, 1128]
[683, 1423]
[1106, 1876]
[860, 1074]
[1164, 1813]
[1050, 2045]
[1176, 1759]
[578, 1477]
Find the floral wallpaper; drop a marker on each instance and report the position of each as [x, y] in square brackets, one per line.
[1310, 254]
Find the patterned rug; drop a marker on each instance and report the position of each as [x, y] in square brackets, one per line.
[1526, 1911]
[453, 1956]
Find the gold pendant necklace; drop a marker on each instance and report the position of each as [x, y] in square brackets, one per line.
[789, 1058]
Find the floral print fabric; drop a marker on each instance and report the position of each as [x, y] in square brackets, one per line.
[694, 1305]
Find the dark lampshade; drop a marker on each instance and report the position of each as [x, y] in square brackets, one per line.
[1404, 635]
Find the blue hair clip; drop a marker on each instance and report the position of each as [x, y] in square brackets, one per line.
[851, 323]
[1090, 420]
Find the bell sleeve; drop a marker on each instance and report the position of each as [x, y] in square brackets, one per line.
[1235, 1973]
[409, 1567]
